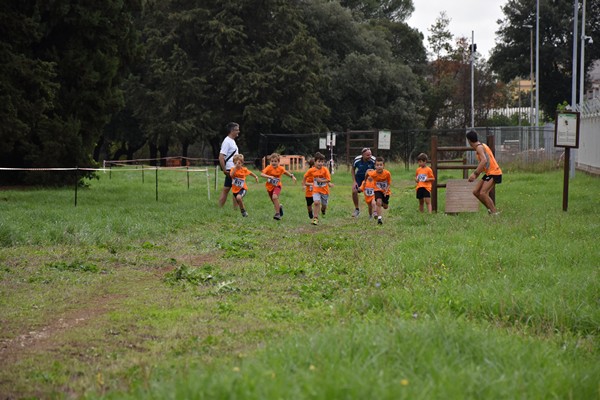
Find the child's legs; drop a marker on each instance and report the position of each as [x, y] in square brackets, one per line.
[324, 202]
[240, 201]
[421, 202]
[428, 202]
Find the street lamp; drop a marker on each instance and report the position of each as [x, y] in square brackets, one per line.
[584, 38]
[530, 27]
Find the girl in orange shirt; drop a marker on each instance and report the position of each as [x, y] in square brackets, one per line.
[368, 188]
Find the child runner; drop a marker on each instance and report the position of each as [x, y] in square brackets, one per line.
[383, 182]
[321, 183]
[238, 179]
[424, 178]
[273, 173]
[308, 189]
[368, 188]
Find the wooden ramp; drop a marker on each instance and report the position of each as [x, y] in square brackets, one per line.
[459, 196]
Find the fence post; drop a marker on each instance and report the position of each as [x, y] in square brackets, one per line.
[491, 142]
[76, 183]
[434, 164]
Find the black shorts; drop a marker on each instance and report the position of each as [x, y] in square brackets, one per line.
[384, 199]
[423, 193]
[496, 178]
[242, 193]
[309, 201]
[228, 182]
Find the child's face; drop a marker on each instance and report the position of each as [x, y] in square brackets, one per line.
[319, 163]
[239, 163]
[422, 163]
[379, 166]
[275, 162]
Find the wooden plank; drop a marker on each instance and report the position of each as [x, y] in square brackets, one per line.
[459, 196]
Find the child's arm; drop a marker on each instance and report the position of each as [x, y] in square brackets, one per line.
[290, 175]
[266, 176]
[254, 175]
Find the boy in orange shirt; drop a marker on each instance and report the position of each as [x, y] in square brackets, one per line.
[321, 183]
[368, 188]
[383, 182]
[273, 173]
[238, 179]
[424, 178]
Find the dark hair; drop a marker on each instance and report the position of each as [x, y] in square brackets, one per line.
[380, 159]
[319, 156]
[231, 126]
[310, 161]
[472, 136]
[422, 157]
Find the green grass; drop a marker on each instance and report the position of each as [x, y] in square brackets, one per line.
[124, 296]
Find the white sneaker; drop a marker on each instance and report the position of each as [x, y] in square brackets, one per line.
[355, 213]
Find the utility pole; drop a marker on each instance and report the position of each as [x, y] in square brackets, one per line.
[473, 50]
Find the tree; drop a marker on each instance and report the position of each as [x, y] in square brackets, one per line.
[64, 61]
[510, 57]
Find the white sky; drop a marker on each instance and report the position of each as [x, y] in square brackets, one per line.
[465, 16]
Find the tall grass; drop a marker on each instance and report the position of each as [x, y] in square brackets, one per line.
[188, 300]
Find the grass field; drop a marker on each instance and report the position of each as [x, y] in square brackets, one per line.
[124, 296]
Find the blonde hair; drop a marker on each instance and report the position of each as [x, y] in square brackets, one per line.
[274, 157]
[238, 157]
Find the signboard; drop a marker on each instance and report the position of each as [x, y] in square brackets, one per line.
[566, 131]
[331, 138]
[322, 143]
[385, 140]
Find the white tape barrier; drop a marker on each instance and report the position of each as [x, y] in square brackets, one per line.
[150, 168]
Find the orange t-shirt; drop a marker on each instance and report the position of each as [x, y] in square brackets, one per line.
[383, 181]
[491, 166]
[238, 179]
[277, 173]
[422, 174]
[316, 174]
[368, 188]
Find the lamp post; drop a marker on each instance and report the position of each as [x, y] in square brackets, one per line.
[584, 38]
[537, 63]
[530, 27]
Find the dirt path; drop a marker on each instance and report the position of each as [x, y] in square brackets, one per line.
[43, 339]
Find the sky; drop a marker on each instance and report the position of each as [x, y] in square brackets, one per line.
[465, 16]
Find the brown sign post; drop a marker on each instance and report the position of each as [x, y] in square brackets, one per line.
[566, 134]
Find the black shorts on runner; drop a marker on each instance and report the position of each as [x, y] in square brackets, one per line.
[384, 199]
[228, 182]
[309, 201]
[423, 193]
[496, 178]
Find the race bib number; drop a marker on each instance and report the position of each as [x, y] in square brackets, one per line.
[320, 184]
[274, 181]
[382, 185]
[238, 182]
[369, 192]
[422, 177]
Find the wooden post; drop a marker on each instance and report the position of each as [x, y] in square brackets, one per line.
[566, 179]
[434, 165]
[491, 142]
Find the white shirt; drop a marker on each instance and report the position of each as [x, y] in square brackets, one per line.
[228, 148]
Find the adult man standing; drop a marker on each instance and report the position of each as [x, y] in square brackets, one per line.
[359, 169]
[228, 150]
